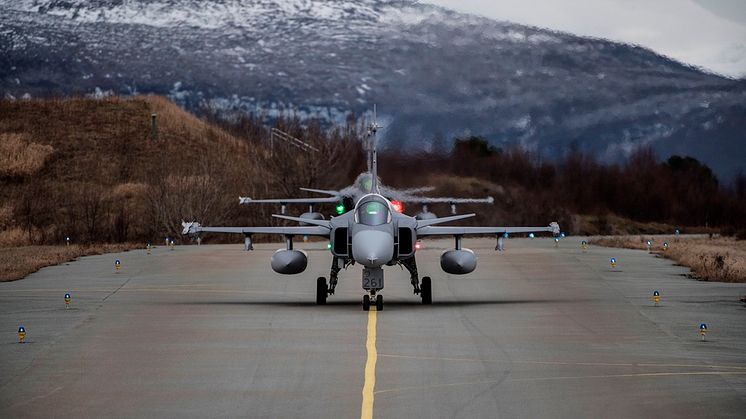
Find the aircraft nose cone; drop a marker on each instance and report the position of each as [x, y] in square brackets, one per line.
[372, 248]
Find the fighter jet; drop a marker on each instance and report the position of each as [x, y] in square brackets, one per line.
[374, 235]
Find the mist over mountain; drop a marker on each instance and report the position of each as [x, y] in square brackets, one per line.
[433, 73]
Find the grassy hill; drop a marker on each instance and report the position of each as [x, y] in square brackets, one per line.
[91, 169]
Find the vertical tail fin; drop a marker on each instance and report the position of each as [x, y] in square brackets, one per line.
[372, 153]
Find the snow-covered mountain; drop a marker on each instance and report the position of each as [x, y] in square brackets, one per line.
[434, 73]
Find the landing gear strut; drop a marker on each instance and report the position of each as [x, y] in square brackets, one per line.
[411, 265]
[333, 275]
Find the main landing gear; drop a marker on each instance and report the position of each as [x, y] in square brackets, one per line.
[321, 290]
[426, 290]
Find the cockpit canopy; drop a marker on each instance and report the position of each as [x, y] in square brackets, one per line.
[373, 213]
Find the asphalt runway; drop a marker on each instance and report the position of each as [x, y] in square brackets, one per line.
[211, 331]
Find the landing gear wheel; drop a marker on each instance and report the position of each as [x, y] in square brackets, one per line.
[379, 303]
[321, 290]
[366, 302]
[426, 290]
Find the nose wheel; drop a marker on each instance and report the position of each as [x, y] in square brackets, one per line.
[376, 300]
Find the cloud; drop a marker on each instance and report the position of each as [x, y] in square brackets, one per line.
[707, 34]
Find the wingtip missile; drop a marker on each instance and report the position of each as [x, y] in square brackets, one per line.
[192, 227]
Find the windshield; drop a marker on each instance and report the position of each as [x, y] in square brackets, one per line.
[373, 213]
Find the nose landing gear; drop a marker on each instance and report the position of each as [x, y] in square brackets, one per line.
[373, 283]
[377, 300]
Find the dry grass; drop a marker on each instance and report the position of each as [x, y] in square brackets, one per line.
[717, 259]
[14, 237]
[18, 262]
[19, 157]
[6, 216]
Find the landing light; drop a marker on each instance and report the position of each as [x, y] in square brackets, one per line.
[328, 246]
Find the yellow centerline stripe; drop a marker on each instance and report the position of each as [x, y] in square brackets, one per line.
[366, 411]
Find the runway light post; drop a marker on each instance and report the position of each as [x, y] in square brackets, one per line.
[656, 297]
[612, 262]
[665, 246]
[21, 334]
[117, 265]
[584, 245]
[67, 300]
[531, 235]
[703, 331]
[149, 248]
[67, 240]
[556, 242]
[649, 244]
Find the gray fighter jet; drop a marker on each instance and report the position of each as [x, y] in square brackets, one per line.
[374, 235]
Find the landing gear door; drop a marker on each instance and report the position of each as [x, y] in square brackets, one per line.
[372, 279]
[340, 242]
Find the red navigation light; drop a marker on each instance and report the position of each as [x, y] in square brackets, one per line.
[398, 207]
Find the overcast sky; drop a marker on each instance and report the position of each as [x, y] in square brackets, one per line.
[707, 33]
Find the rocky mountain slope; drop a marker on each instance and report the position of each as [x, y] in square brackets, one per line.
[434, 73]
